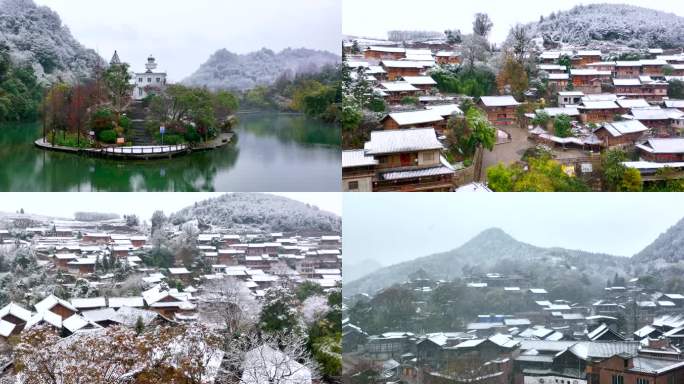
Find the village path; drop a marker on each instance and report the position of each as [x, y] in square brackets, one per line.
[506, 153]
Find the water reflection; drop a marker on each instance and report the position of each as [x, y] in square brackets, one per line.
[273, 153]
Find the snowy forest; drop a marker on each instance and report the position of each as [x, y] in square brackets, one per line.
[579, 274]
[35, 36]
[260, 211]
[228, 70]
[591, 25]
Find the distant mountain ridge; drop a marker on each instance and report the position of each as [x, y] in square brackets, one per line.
[250, 211]
[492, 250]
[668, 247]
[228, 70]
[35, 36]
[594, 24]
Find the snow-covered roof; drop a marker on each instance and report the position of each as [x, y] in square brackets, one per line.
[559, 76]
[357, 64]
[6, 328]
[415, 117]
[589, 72]
[179, 271]
[47, 303]
[129, 315]
[445, 109]
[45, 316]
[404, 140]
[551, 67]
[629, 63]
[473, 187]
[419, 80]
[674, 103]
[657, 62]
[104, 314]
[589, 53]
[569, 111]
[663, 145]
[599, 105]
[398, 86]
[402, 64]
[626, 82]
[380, 48]
[600, 97]
[16, 311]
[443, 169]
[654, 114]
[633, 103]
[357, 158]
[447, 54]
[571, 93]
[93, 302]
[134, 301]
[619, 128]
[498, 101]
[76, 322]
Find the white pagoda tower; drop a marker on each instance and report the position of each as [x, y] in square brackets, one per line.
[150, 81]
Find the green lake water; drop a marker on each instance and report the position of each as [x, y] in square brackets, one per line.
[273, 153]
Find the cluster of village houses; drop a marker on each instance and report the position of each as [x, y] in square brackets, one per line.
[258, 260]
[611, 104]
[553, 341]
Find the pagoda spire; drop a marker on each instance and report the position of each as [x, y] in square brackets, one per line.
[115, 59]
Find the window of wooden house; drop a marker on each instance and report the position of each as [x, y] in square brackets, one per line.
[428, 156]
[642, 381]
[618, 379]
[353, 185]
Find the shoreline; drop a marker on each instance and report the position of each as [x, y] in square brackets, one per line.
[153, 152]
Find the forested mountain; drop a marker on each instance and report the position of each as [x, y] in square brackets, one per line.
[260, 211]
[495, 251]
[595, 24]
[228, 70]
[668, 247]
[34, 36]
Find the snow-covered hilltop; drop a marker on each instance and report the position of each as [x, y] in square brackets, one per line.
[245, 211]
[228, 70]
[35, 36]
[591, 25]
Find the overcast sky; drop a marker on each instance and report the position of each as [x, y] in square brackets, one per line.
[142, 204]
[183, 34]
[391, 228]
[375, 18]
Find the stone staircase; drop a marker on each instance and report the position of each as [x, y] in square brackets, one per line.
[136, 112]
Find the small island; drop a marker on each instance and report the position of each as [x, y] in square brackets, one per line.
[127, 115]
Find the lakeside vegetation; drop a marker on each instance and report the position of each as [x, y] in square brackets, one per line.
[317, 95]
[20, 92]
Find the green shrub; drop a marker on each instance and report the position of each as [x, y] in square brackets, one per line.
[108, 136]
[377, 105]
[68, 140]
[408, 100]
[102, 120]
[170, 139]
[125, 122]
[192, 136]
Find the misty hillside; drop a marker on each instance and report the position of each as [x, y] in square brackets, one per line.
[591, 25]
[495, 251]
[356, 271]
[35, 36]
[249, 211]
[228, 70]
[668, 247]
